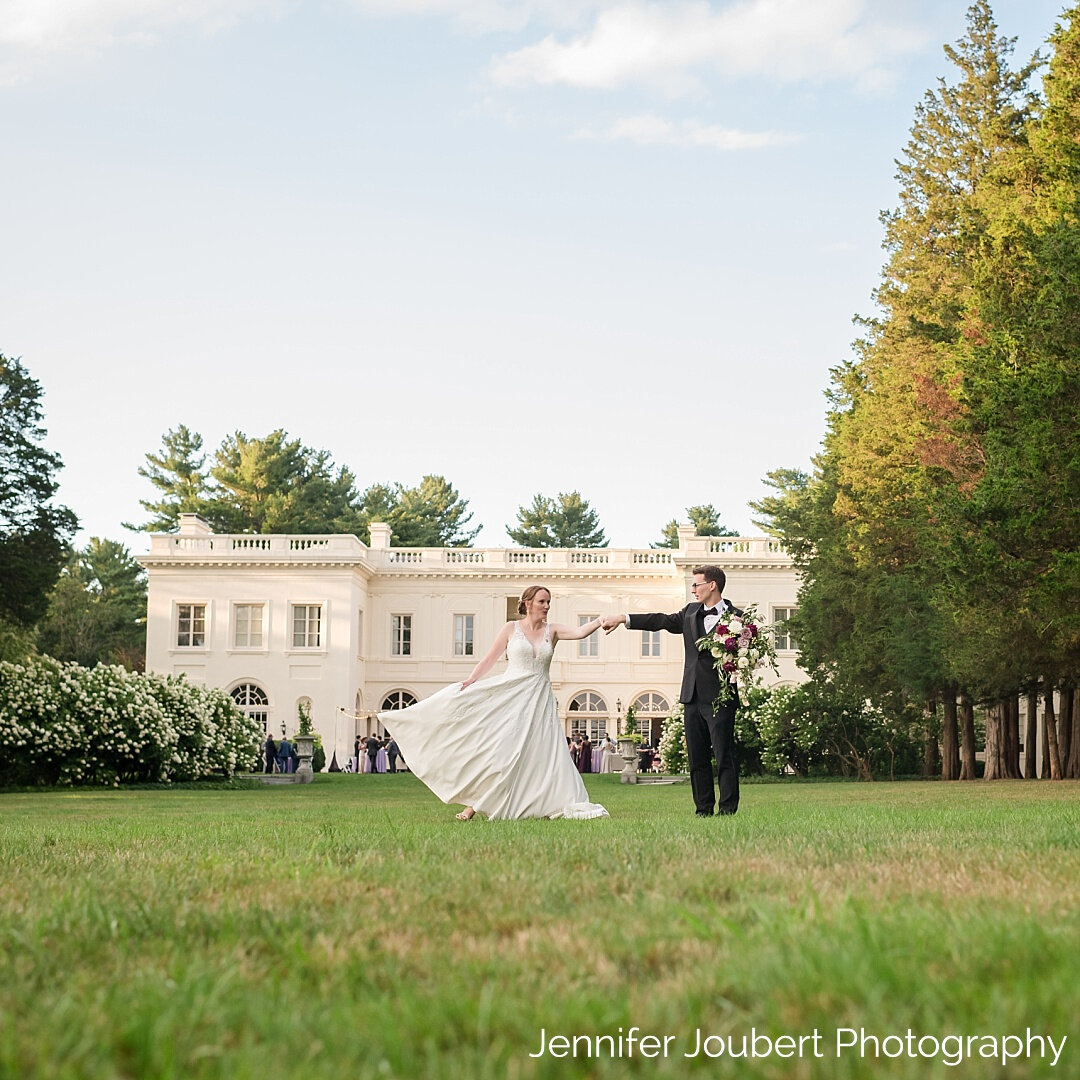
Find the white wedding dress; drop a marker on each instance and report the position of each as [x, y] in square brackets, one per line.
[496, 746]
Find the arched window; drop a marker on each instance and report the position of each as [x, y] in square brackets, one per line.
[581, 722]
[651, 702]
[397, 699]
[588, 701]
[252, 699]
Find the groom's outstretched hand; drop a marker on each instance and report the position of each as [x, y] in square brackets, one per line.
[610, 622]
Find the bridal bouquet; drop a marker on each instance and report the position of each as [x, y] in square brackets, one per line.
[739, 645]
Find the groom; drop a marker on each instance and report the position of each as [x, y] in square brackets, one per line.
[710, 729]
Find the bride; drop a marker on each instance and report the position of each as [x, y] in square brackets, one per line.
[497, 746]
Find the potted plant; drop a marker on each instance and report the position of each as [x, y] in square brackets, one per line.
[305, 742]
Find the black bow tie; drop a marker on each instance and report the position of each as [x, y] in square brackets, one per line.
[711, 611]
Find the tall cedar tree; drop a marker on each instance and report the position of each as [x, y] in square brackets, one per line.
[1021, 357]
[897, 438]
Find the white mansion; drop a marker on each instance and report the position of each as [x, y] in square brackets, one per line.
[351, 629]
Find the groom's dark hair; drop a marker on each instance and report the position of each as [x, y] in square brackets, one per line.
[713, 574]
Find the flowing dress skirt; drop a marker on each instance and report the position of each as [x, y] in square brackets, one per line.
[496, 746]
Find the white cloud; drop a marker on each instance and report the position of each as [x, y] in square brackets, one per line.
[488, 15]
[665, 44]
[33, 31]
[649, 129]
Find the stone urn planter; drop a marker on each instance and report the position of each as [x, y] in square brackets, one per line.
[305, 747]
[628, 749]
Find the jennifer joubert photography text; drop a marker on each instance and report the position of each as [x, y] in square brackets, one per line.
[949, 1049]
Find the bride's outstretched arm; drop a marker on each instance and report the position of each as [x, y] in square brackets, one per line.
[498, 647]
[575, 633]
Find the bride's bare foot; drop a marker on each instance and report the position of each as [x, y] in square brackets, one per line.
[465, 814]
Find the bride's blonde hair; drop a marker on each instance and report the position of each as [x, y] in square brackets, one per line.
[528, 594]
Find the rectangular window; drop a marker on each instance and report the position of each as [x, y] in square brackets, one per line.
[511, 609]
[248, 626]
[401, 640]
[589, 646]
[594, 727]
[650, 642]
[463, 635]
[190, 626]
[784, 641]
[307, 626]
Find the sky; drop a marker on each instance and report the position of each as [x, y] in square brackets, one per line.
[529, 245]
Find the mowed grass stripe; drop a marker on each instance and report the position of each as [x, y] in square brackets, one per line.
[351, 928]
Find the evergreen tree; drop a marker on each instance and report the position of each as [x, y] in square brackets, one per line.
[278, 485]
[567, 521]
[706, 522]
[178, 472]
[901, 452]
[432, 514]
[1021, 361]
[34, 532]
[97, 610]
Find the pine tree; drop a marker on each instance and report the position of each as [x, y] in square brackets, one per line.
[178, 472]
[97, 610]
[34, 532]
[706, 522]
[567, 521]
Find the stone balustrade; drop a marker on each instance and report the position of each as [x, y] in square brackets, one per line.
[212, 547]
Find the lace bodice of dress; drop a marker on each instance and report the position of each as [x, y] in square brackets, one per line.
[523, 658]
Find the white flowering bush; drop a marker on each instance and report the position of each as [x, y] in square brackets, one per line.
[672, 747]
[65, 724]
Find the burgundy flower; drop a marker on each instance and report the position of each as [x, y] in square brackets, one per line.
[731, 644]
[729, 666]
[721, 629]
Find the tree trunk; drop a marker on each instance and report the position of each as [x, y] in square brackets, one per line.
[994, 766]
[1044, 757]
[1067, 701]
[1072, 766]
[1051, 735]
[1031, 736]
[950, 740]
[967, 738]
[930, 766]
[1012, 737]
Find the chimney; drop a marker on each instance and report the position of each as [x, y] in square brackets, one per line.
[194, 525]
[380, 535]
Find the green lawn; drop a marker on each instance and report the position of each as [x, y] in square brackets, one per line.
[352, 929]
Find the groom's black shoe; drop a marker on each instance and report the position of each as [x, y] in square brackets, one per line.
[704, 813]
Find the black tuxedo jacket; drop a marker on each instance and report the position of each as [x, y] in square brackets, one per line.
[700, 680]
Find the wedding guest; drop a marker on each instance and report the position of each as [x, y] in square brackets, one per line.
[269, 752]
[391, 756]
[585, 755]
[284, 755]
[373, 747]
